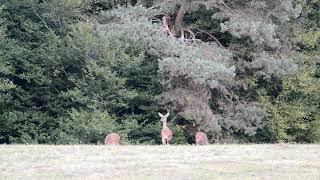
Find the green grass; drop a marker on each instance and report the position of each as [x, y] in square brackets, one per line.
[160, 162]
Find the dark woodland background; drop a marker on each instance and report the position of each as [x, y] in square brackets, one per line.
[243, 71]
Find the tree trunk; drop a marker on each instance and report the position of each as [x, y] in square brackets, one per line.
[184, 6]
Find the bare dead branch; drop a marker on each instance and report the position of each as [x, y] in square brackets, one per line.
[226, 6]
[210, 35]
[42, 20]
[165, 25]
[182, 35]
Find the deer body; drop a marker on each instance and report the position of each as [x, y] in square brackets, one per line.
[201, 138]
[166, 133]
[112, 139]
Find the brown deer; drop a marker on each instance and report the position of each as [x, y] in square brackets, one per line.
[166, 133]
[112, 139]
[201, 138]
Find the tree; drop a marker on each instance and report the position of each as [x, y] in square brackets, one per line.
[210, 81]
[295, 109]
[33, 33]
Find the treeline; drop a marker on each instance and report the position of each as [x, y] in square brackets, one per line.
[242, 71]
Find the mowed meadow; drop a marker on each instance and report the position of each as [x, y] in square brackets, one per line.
[265, 161]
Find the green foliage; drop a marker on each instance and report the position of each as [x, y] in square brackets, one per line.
[85, 127]
[34, 108]
[202, 19]
[179, 135]
[313, 134]
[26, 127]
[116, 78]
[308, 38]
[295, 109]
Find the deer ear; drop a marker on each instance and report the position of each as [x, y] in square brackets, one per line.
[160, 114]
[167, 114]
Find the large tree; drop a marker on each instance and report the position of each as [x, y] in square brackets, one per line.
[212, 56]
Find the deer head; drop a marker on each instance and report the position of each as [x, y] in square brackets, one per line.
[164, 117]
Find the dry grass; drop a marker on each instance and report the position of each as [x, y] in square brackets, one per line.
[160, 162]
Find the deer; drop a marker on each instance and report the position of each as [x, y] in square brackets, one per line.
[201, 138]
[166, 133]
[112, 139]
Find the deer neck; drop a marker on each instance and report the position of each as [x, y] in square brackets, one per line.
[164, 124]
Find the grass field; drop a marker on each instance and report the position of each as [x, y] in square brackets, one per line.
[160, 162]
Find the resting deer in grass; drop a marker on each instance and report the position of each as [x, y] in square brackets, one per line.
[112, 138]
[166, 133]
[201, 138]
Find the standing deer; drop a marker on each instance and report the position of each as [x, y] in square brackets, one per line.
[201, 138]
[112, 138]
[166, 133]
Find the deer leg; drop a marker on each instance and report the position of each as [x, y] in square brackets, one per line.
[163, 141]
